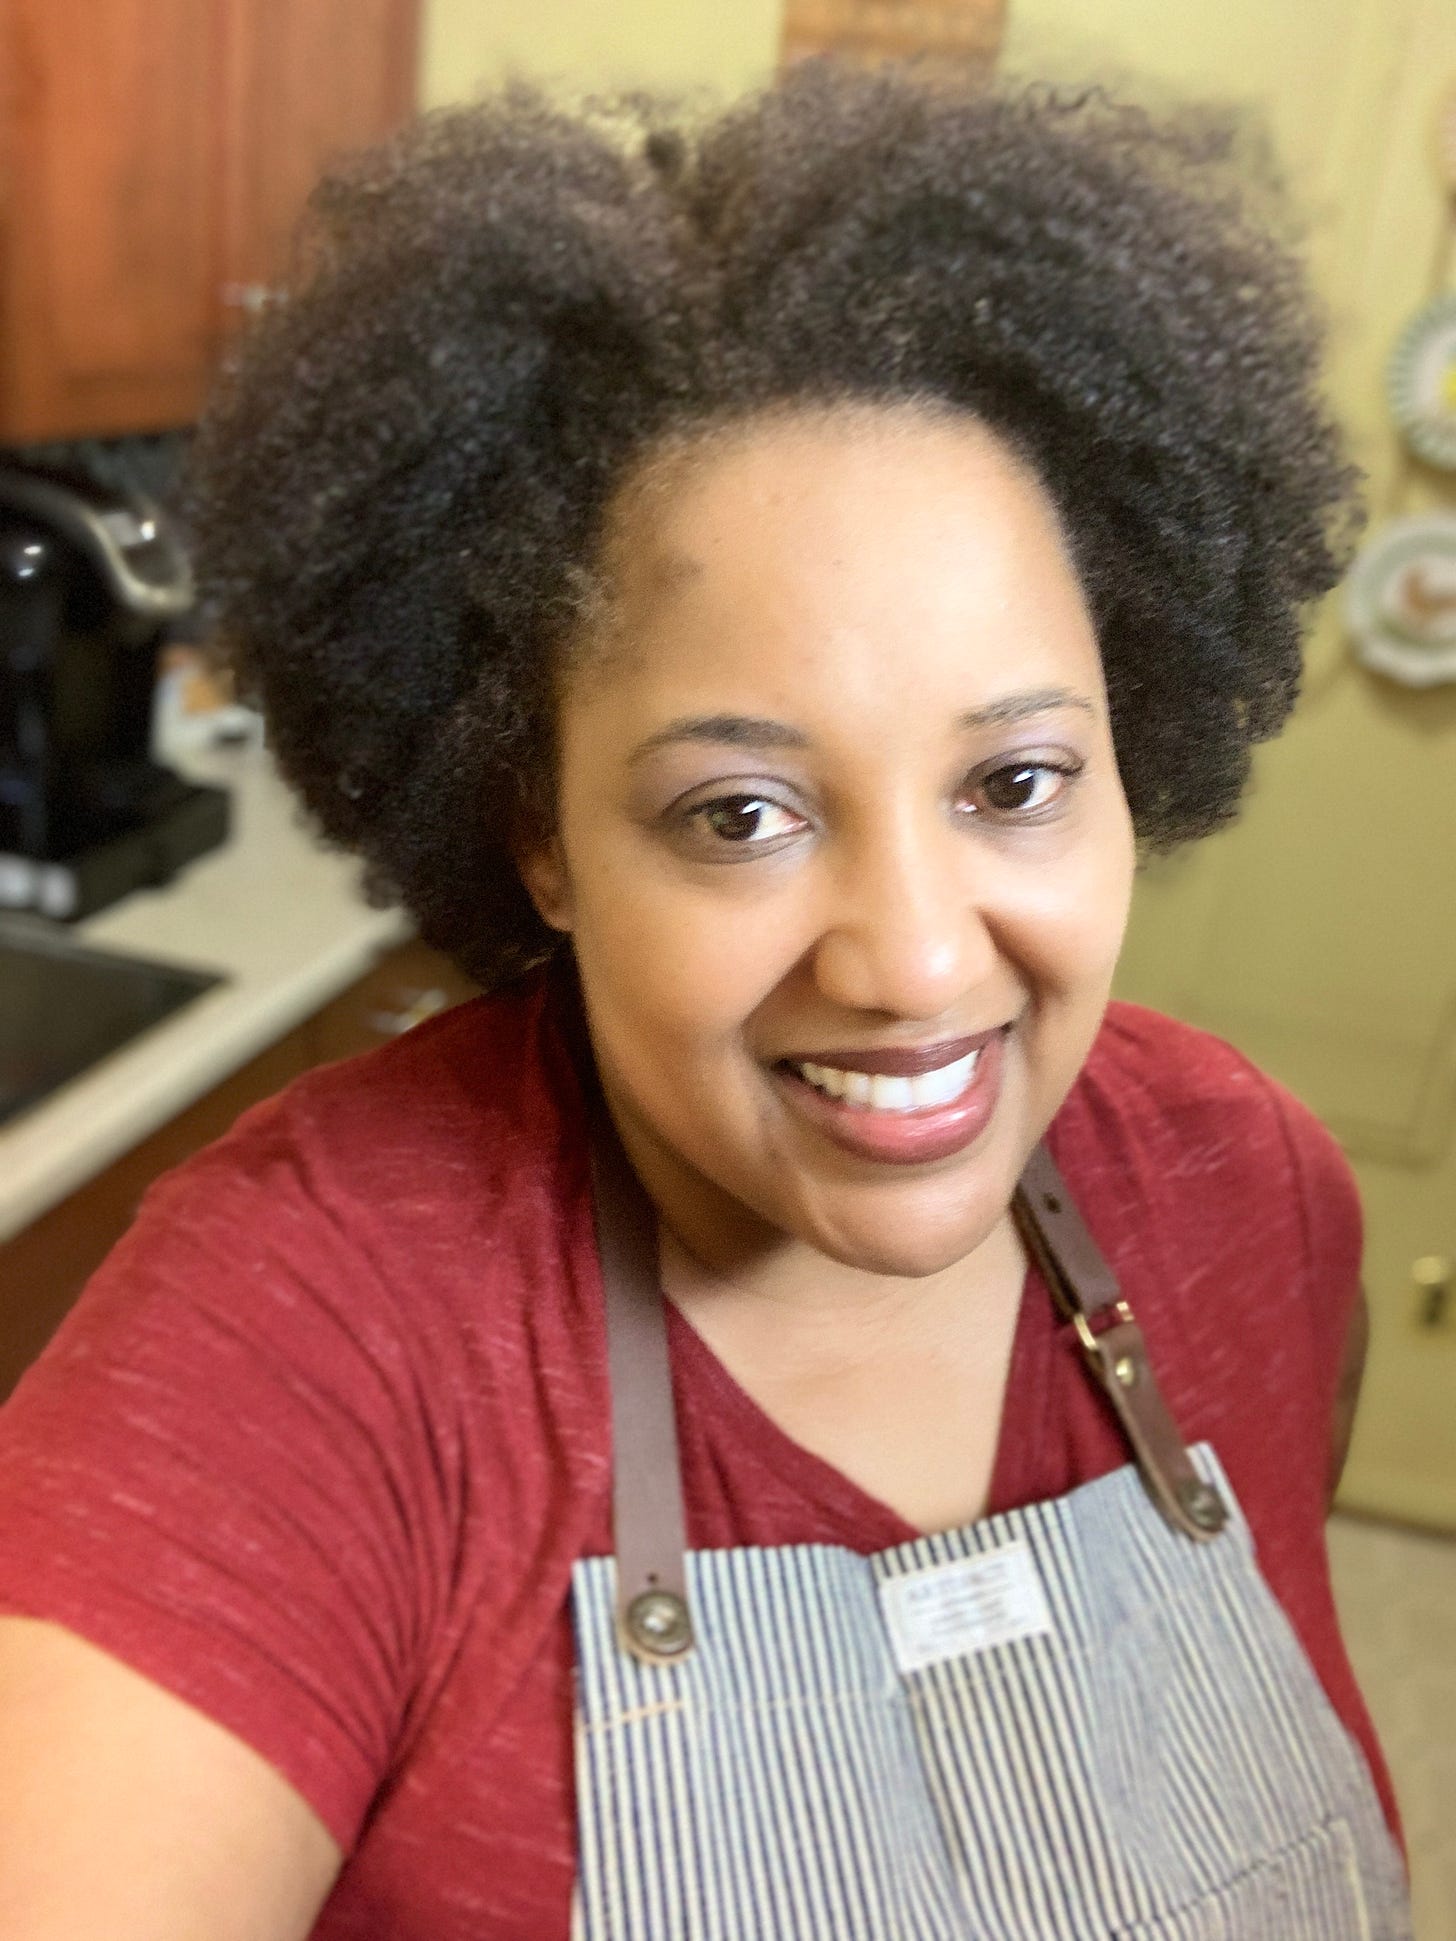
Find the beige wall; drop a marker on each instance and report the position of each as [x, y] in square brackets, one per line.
[1319, 934]
[727, 45]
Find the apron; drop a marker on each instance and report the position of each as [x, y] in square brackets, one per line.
[1086, 1718]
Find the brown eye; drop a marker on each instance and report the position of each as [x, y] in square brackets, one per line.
[1026, 789]
[744, 822]
[738, 819]
[1010, 789]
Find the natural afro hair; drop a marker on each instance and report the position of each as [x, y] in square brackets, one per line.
[399, 492]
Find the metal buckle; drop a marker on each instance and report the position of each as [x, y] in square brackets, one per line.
[1083, 1326]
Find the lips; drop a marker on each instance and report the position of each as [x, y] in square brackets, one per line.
[899, 1062]
[896, 1128]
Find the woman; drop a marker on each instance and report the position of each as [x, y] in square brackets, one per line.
[752, 593]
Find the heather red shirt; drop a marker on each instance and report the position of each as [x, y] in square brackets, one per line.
[323, 1439]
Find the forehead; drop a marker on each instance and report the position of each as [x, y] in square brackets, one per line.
[839, 552]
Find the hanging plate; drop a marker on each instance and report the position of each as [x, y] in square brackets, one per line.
[1422, 383]
[1400, 601]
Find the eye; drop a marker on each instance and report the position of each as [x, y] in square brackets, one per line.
[744, 822]
[1021, 791]
[745, 819]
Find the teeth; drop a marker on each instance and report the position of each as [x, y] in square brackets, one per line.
[939, 1088]
[880, 1092]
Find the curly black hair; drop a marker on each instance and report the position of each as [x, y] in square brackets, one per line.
[401, 488]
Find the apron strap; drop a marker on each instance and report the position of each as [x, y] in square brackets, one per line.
[1086, 1292]
[649, 1533]
[654, 1622]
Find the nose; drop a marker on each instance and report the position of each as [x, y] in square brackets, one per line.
[909, 925]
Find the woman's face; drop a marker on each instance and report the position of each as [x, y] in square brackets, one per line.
[842, 848]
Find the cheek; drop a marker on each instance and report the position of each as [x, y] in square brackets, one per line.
[689, 966]
[1071, 919]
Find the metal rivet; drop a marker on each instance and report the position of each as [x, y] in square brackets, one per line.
[1125, 1369]
[1203, 1505]
[659, 1621]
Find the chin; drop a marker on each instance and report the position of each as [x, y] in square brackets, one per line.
[905, 1251]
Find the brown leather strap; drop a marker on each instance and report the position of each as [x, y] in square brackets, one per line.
[653, 1617]
[649, 1534]
[1085, 1289]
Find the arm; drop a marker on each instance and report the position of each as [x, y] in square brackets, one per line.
[124, 1812]
[1347, 1391]
[216, 1526]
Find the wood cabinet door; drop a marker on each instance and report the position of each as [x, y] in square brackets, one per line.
[303, 81]
[154, 158]
[960, 33]
[106, 284]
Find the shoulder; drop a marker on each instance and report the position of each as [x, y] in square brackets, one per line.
[1164, 1093]
[489, 1070]
[1184, 1151]
[409, 1188]
[457, 1111]
[1231, 1218]
[1164, 1068]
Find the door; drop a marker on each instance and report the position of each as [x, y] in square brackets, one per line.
[154, 155]
[1319, 934]
[106, 286]
[300, 85]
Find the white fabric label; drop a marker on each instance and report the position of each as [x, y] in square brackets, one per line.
[951, 1610]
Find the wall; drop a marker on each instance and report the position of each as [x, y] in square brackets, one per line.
[727, 45]
[1319, 934]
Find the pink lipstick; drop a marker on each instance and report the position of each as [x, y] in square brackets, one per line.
[899, 1106]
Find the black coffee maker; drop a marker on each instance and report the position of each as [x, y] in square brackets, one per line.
[91, 579]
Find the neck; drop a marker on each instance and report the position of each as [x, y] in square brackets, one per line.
[806, 1308]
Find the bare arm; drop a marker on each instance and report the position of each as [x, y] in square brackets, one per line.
[1347, 1391]
[126, 1813]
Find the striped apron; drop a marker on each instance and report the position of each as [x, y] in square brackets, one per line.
[1087, 1718]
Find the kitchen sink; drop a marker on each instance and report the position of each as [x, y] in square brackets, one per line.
[64, 1007]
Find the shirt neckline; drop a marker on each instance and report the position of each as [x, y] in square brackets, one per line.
[866, 1523]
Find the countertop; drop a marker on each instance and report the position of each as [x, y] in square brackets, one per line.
[279, 915]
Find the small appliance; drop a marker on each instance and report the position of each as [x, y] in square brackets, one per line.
[91, 580]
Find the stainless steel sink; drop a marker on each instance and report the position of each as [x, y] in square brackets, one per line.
[64, 1007]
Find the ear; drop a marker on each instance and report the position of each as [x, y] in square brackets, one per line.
[543, 871]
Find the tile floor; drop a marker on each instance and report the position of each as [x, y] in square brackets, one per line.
[1397, 1596]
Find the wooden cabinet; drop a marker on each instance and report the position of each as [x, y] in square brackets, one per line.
[961, 34]
[44, 1268]
[154, 155]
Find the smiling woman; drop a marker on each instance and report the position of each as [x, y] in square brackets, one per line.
[794, 1416]
[894, 831]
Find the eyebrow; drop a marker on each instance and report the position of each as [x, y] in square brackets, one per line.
[734, 730]
[754, 731]
[1019, 707]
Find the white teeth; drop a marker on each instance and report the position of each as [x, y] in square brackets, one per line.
[882, 1092]
[939, 1088]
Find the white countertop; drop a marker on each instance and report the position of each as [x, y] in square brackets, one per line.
[280, 916]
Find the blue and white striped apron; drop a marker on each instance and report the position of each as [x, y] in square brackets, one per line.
[1087, 1718]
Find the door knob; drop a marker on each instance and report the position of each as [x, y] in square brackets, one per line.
[1435, 1276]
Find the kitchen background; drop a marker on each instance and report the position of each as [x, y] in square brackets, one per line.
[153, 156]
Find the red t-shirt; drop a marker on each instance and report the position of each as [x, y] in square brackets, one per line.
[321, 1442]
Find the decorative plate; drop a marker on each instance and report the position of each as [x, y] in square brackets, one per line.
[1400, 601]
[1422, 383]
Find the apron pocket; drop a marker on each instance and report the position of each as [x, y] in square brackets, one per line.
[1309, 1892]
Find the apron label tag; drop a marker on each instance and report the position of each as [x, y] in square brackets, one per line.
[951, 1610]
